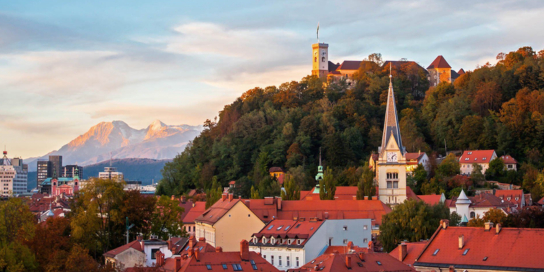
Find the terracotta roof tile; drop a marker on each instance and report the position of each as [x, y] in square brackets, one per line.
[430, 199]
[373, 261]
[134, 244]
[507, 159]
[194, 212]
[287, 229]
[439, 62]
[412, 249]
[216, 260]
[350, 65]
[510, 248]
[476, 156]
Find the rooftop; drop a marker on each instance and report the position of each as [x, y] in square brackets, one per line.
[476, 156]
[439, 62]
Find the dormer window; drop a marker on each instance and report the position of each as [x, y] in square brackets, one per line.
[272, 240]
[264, 240]
[470, 153]
[466, 159]
[255, 240]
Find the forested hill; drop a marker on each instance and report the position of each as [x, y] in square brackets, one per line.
[497, 107]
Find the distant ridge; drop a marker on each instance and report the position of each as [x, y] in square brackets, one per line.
[158, 141]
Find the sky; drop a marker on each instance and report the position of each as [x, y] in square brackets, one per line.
[68, 65]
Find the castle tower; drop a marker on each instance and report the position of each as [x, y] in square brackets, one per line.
[391, 160]
[319, 175]
[439, 71]
[320, 60]
[462, 205]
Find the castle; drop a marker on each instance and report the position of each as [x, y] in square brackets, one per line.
[439, 70]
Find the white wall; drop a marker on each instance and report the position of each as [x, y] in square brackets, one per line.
[149, 262]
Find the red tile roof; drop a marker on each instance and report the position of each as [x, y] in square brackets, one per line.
[512, 194]
[410, 194]
[430, 199]
[541, 201]
[287, 229]
[215, 261]
[275, 169]
[476, 156]
[439, 62]
[194, 212]
[510, 249]
[350, 65]
[372, 261]
[483, 200]
[461, 71]
[217, 210]
[345, 249]
[341, 193]
[507, 159]
[413, 158]
[134, 244]
[334, 209]
[412, 249]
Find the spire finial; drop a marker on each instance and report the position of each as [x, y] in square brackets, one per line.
[319, 156]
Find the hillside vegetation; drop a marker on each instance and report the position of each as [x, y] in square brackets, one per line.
[497, 107]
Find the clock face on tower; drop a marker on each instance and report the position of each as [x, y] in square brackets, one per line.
[391, 157]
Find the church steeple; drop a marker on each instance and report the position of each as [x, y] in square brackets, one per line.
[391, 126]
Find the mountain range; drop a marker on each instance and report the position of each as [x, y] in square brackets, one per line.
[118, 140]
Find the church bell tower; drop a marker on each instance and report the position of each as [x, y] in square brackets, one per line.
[320, 60]
[392, 160]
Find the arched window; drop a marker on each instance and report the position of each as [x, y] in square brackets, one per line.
[472, 214]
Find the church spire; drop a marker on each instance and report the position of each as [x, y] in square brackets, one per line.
[391, 126]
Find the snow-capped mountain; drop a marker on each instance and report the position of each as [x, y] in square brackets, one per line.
[157, 141]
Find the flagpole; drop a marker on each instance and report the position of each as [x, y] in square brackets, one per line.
[318, 33]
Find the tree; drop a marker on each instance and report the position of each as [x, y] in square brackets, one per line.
[525, 218]
[476, 222]
[166, 219]
[16, 228]
[448, 167]
[139, 209]
[327, 186]
[79, 260]
[365, 187]
[255, 193]
[51, 244]
[495, 216]
[495, 170]
[417, 179]
[95, 217]
[412, 220]
[455, 219]
[476, 175]
[292, 190]
[214, 193]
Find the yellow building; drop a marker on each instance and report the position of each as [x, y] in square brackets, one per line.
[227, 222]
[439, 71]
[320, 60]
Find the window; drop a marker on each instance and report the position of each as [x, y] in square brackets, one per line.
[365, 240]
[297, 262]
[466, 251]
[209, 266]
[345, 228]
[271, 226]
[279, 228]
[472, 215]
[389, 184]
[287, 261]
[345, 241]
[470, 153]
[378, 262]
[365, 227]
[225, 267]
[395, 184]
[286, 228]
[236, 267]
[154, 252]
[279, 260]
[436, 252]
[485, 258]
[272, 259]
[297, 226]
[253, 264]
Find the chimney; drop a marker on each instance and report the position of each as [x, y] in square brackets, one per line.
[445, 223]
[279, 204]
[170, 244]
[224, 197]
[192, 241]
[361, 256]
[197, 255]
[350, 246]
[218, 249]
[139, 238]
[403, 251]
[348, 262]
[316, 268]
[244, 250]
[178, 263]
[142, 243]
[452, 269]
[202, 239]
[191, 252]
[498, 228]
[370, 246]
[248, 203]
[160, 258]
[354, 197]
[231, 197]
[183, 199]
[461, 241]
[488, 226]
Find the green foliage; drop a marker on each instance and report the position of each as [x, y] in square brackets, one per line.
[417, 179]
[492, 215]
[214, 193]
[449, 167]
[292, 190]
[497, 107]
[476, 175]
[365, 187]
[495, 170]
[455, 219]
[412, 220]
[166, 219]
[476, 222]
[327, 186]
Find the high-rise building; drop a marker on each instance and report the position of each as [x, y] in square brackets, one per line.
[13, 178]
[44, 171]
[68, 171]
[110, 173]
[56, 164]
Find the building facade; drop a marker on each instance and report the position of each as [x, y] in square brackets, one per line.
[69, 171]
[481, 157]
[56, 165]
[111, 173]
[320, 60]
[44, 170]
[13, 178]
